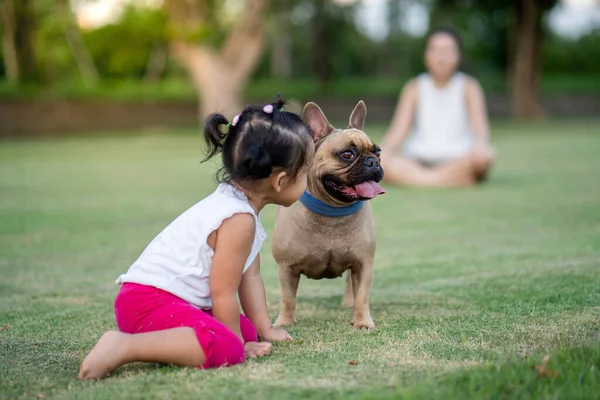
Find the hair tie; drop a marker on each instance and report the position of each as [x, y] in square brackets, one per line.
[224, 128]
[268, 108]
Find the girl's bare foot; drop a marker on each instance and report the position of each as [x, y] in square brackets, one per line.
[106, 356]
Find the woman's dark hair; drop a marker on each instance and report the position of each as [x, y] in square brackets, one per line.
[448, 31]
[257, 142]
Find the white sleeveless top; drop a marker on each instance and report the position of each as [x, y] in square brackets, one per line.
[442, 130]
[179, 259]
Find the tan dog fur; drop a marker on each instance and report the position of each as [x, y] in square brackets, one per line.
[325, 247]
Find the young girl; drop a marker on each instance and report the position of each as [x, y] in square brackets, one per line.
[178, 302]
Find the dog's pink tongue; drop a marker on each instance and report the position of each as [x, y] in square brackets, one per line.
[369, 189]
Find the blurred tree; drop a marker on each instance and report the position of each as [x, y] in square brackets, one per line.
[518, 25]
[53, 55]
[334, 41]
[526, 64]
[281, 39]
[346, 55]
[80, 52]
[322, 29]
[141, 34]
[401, 53]
[571, 56]
[141, 44]
[394, 8]
[218, 58]
[9, 48]
[157, 63]
[18, 24]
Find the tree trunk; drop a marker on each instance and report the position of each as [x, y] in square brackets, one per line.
[212, 79]
[25, 22]
[322, 62]
[219, 75]
[394, 62]
[17, 40]
[83, 59]
[156, 63]
[526, 63]
[394, 13]
[9, 51]
[281, 57]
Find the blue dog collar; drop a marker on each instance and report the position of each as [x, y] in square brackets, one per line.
[318, 207]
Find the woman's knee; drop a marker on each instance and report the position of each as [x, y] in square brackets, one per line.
[482, 163]
[387, 163]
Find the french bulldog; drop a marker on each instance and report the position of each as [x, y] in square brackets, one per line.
[331, 229]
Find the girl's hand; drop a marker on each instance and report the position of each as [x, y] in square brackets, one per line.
[257, 349]
[275, 335]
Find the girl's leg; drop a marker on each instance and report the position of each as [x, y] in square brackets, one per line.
[157, 326]
[248, 330]
[177, 346]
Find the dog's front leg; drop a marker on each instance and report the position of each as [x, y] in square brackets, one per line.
[362, 279]
[288, 283]
[348, 300]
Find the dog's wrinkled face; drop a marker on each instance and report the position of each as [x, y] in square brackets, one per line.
[347, 163]
[348, 166]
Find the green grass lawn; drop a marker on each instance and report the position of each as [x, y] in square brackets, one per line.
[473, 287]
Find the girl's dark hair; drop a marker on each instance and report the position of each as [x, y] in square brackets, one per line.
[448, 31]
[258, 143]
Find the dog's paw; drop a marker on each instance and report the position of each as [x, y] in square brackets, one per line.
[284, 320]
[365, 323]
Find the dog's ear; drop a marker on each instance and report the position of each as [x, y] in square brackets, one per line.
[316, 121]
[358, 116]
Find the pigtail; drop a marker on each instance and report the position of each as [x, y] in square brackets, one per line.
[216, 127]
[279, 103]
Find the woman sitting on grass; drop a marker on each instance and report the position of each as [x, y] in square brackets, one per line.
[449, 145]
[178, 302]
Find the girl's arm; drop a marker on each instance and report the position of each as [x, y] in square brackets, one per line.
[254, 304]
[232, 247]
[402, 120]
[477, 113]
[253, 298]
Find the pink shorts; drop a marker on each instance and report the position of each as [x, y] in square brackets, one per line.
[141, 308]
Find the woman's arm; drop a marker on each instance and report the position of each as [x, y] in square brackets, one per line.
[402, 120]
[254, 304]
[477, 113]
[232, 247]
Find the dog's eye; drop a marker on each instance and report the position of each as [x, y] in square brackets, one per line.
[347, 155]
[377, 153]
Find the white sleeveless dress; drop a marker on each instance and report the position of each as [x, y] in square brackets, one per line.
[442, 130]
[179, 259]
